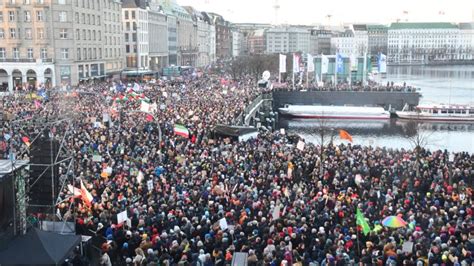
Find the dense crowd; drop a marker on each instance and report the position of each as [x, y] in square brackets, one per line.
[212, 197]
[356, 87]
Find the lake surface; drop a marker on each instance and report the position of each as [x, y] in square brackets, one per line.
[438, 84]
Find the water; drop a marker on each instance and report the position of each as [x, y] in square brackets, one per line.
[439, 84]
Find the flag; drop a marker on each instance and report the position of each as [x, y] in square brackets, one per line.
[73, 191]
[86, 195]
[354, 62]
[310, 63]
[345, 135]
[382, 63]
[145, 107]
[282, 63]
[26, 140]
[339, 63]
[149, 118]
[296, 63]
[360, 221]
[324, 64]
[181, 131]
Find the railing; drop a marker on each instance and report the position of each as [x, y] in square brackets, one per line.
[25, 60]
[240, 119]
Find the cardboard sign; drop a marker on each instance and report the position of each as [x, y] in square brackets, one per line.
[282, 131]
[300, 145]
[122, 217]
[276, 213]
[223, 224]
[149, 184]
[96, 158]
[407, 247]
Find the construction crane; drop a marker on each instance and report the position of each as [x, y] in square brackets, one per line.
[276, 7]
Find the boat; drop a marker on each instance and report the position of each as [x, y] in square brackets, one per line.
[441, 113]
[335, 112]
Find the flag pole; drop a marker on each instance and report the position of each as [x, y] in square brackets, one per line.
[364, 70]
[307, 78]
[335, 70]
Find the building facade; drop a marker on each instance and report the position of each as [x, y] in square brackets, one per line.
[58, 42]
[422, 43]
[378, 39]
[466, 41]
[158, 40]
[320, 41]
[237, 42]
[353, 40]
[135, 27]
[223, 37]
[256, 42]
[202, 34]
[287, 40]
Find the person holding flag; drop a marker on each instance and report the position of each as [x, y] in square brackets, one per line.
[360, 221]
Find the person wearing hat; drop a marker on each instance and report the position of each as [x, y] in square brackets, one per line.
[105, 259]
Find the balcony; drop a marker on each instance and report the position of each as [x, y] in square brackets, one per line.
[25, 60]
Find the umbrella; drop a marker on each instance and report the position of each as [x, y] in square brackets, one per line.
[394, 222]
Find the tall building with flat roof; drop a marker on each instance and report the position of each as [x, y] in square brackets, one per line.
[58, 42]
[287, 39]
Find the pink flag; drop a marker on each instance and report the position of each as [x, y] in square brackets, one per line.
[37, 104]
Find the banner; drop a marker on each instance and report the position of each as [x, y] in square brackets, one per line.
[354, 63]
[339, 63]
[296, 63]
[382, 63]
[282, 63]
[310, 63]
[324, 64]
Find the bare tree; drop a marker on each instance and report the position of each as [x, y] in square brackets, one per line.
[325, 136]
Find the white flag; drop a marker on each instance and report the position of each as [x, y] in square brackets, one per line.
[382, 63]
[296, 63]
[145, 107]
[310, 63]
[282, 63]
[353, 62]
[324, 64]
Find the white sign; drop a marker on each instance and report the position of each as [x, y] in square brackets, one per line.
[324, 64]
[122, 217]
[149, 184]
[276, 213]
[96, 158]
[310, 63]
[407, 247]
[282, 63]
[282, 131]
[223, 224]
[300, 145]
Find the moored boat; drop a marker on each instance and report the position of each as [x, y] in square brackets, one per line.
[335, 112]
[442, 113]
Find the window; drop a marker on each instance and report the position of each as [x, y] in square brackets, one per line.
[39, 16]
[26, 2]
[11, 16]
[30, 53]
[64, 53]
[12, 33]
[93, 20]
[126, 14]
[3, 53]
[89, 35]
[133, 14]
[62, 2]
[78, 34]
[2, 34]
[40, 2]
[100, 38]
[88, 19]
[28, 34]
[44, 53]
[40, 33]
[1, 16]
[16, 53]
[84, 53]
[83, 18]
[126, 37]
[83, 34]
[78, 53]
[98, 20]
[76, 17]
[27, 16]
[12, 2]
[63, 34]
[93, 35]
[127, 26]
[63, 16]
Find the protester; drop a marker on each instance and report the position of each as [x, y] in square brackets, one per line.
[198, 199]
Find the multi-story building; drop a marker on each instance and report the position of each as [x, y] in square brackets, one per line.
[158, 39]
[223, 36]
[256, 42]
[466, 41]
[320, 41]
[57, 42]
[422, 43]
[351, 41]
[135, 27]
[203, 34]
[211, 38]
[237, 42]
[113, 42]
[247, 30]
[378, 38]
[287, 39]
[186, 35]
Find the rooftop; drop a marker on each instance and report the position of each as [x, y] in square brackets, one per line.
[422, 25]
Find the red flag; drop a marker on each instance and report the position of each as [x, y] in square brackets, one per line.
[86, 195]
[149, 118]
[37, 104]
[193, 139]
[345, 135]
[26, 140]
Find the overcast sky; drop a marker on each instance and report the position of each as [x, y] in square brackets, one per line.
[311, 12]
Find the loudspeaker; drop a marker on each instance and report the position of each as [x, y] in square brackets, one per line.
[44, 175]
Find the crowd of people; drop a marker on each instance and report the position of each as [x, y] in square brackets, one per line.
[371, 86]
[202, 199]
